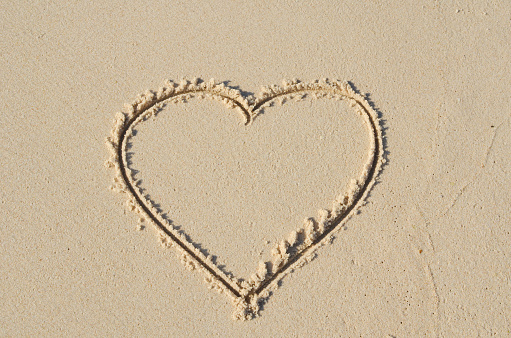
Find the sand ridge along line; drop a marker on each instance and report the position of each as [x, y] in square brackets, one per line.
[247, 295]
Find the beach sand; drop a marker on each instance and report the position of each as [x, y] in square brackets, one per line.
[425, 251]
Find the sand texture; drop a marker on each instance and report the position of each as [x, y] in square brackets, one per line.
[270, 169]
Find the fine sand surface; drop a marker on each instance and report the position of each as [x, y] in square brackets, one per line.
[425, 252]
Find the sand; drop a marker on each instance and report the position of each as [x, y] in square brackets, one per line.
[423, 252]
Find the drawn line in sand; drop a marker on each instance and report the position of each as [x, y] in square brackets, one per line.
[248, 296]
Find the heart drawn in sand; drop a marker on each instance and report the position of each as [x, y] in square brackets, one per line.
[247, 295]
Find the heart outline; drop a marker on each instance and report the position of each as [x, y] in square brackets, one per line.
[247, 297]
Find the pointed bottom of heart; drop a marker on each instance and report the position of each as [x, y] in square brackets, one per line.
[301, 244]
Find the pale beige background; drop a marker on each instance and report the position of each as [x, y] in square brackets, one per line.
[428, 256]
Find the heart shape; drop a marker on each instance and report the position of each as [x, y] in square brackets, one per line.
[298, 249]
